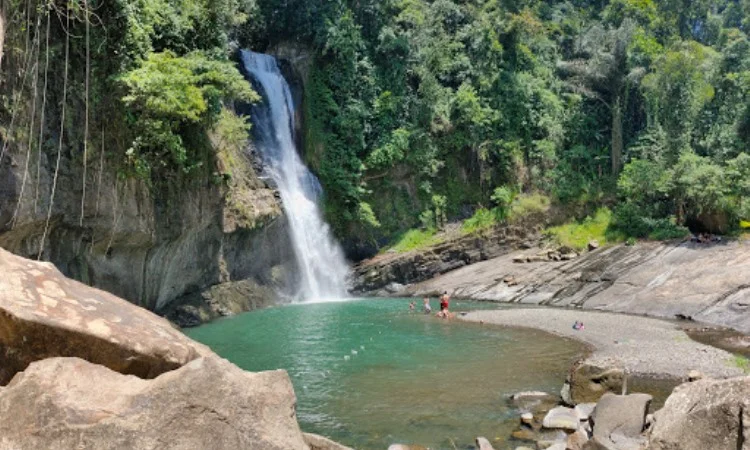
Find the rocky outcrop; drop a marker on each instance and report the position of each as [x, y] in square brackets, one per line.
[208, 403]
[704, 414]
[702, 282]
[44, 314]
[416, 266]
[226, 299]
[587, 382]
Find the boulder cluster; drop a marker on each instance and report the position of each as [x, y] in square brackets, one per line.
[700, 414]
[81, 368]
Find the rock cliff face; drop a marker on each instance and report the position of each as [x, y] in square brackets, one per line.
[148, 247]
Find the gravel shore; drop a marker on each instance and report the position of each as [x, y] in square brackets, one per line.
[641, 346]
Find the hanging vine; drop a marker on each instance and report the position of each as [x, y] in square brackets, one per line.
[32, 121]
[62, 134]
[41, 119]
[86, 120]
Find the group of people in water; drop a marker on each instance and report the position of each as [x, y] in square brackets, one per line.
[444, 313]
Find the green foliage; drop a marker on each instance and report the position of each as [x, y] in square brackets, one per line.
[577, 235]
[416, 239]
[741, 363]
[167, 94]
[503, 198]
[534, 205]
[416, 110]
[481, 220]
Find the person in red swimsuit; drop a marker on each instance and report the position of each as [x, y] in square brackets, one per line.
[444, 302]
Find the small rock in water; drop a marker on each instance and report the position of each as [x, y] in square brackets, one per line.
[484, 444]
[547, 438]
[354, 352]
[561, 418]
[361, 347]
[347, 357]
[527, 418]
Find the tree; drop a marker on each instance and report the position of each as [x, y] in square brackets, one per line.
[603, 72]
[677, 90]
[167, 97]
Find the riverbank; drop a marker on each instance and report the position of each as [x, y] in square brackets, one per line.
[641, 346]
[705, 283]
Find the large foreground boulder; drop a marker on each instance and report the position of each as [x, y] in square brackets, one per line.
[43, 314]
[67, 403]
[705, 414]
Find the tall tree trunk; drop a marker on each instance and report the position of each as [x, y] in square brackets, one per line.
[616, 152]
[2, 30]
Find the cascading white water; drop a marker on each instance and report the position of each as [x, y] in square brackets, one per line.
[323, 268]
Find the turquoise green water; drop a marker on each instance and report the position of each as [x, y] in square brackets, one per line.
[370, 373]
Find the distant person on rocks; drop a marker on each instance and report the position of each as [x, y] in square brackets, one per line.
[427, 307]
[578, 325]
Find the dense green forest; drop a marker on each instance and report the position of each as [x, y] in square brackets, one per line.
[441, 107]
[416, 112]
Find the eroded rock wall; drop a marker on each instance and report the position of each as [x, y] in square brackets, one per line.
[148, 247]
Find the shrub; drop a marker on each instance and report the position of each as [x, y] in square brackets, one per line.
[577, 235]
[416, 239]
[528, 205]
[169, 97]
[482, 219]
[503, 198]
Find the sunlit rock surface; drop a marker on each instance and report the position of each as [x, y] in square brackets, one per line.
[44, 314]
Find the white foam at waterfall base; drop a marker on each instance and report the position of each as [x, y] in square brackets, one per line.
[323, 268]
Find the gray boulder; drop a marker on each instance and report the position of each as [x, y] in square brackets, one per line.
[66, 403]
[619, 421]
[584, 411]
[587, 383]
[533, 400]
[704, 414]
[561, 418]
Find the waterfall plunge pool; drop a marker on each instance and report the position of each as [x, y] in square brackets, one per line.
[369, 373]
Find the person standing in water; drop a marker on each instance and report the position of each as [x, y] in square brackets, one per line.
[444, 302]
[427, 307]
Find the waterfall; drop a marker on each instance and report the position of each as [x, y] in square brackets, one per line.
[323, 268]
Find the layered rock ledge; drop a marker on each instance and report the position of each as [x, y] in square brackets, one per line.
[708, 283]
